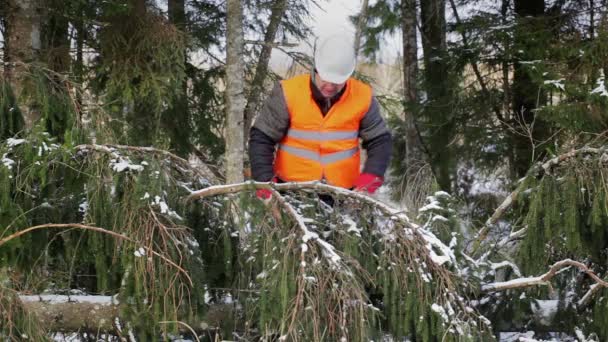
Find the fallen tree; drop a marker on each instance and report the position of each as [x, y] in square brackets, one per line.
[126, 221]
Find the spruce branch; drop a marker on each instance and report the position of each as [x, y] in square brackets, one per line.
[544, 279]
[553, 162]
[512, 198]
[95, 229]
[308, 235]
[184, 164]
[314, 185]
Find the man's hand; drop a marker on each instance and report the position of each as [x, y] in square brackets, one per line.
[265, 194]
[368, 182]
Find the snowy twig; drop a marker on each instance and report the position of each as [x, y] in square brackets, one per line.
[328, 249]
[506, 263]
[111, 149]
[96, 229]
[512, 197]
[586, 299]
[542, 279]
[498, 213]
[392, 213]
[548, 165]
[315, 185]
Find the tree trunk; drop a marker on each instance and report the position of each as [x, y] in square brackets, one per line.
[439, 126]
[235, 100]
[255, 94]
[22, 46]
[526, 94]
[414, 155]
[177, 119]
[58, 313]
[360, 24]
[56, 48]
[505, 64]
[78, 70]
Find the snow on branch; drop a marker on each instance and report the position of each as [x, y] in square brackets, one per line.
[314, 185]
[391, 213]
[328, 250]
[207, 172]
[548, 165]
[543, 279]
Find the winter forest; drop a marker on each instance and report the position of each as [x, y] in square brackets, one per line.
[128, 212]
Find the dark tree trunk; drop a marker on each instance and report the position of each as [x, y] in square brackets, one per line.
[360, 25]
[414, 155]
[526, 94]
[439, 122]
[56, 48]
[255, 94]
[22, 46]
[177, 119]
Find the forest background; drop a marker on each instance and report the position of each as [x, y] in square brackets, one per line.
[123, 208]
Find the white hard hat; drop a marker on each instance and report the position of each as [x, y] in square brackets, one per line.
[335, 57]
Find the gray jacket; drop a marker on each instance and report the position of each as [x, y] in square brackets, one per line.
[273, 121]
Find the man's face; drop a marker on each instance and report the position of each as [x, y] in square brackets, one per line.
[328, 89]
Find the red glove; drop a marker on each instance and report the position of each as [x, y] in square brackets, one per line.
[368, 182]
[265, 194]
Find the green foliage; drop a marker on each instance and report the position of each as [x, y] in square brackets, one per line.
[17, 323]
[390, 288]
[564, 214]
[141, 68]
[11, 119]
[136, 196]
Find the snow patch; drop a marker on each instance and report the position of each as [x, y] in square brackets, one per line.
[140, 252]
[7, 162]
[601, 86]
[121, 165]
[14, 142]
[559, 84]
[59, 299]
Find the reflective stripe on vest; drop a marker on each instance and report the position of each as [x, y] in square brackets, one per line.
[323, 159]
[322, 136]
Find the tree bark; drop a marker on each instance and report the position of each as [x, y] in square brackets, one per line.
[60, 313]
[505, 63]
[255, 94]
[22, 46]
[360, 23]
[440, 124]
[56, 48]
[414, 150]
[177, 119]
[526, 95]
[235, 100]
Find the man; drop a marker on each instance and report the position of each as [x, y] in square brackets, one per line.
[316, 120]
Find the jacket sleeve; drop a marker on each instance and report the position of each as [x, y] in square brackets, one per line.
[273, 119]
[261, 155]
[269, 127]
[377, 140]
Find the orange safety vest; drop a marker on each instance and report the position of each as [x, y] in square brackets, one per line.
[320, 147]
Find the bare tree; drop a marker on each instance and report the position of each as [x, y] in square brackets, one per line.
[253, 101]
[360, 23]
[235, 99]
[413, 146]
